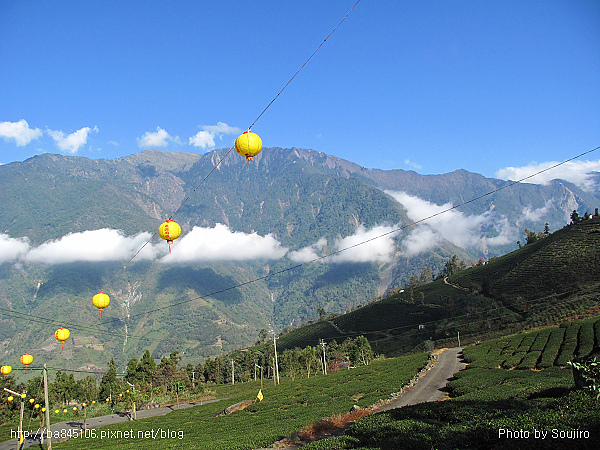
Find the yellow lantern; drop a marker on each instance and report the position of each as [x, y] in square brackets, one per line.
[169, 231]
[32, 400]
[10, 398]
[101, 301]
[65, 410]
[74, 408]
[43, 410]
[23, 396]
[62, 334]
[26, 359]
[5, 370]
[37, 406]
[248, 144]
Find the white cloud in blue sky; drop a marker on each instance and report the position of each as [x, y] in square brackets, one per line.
[71, 143]
[158, 138]
[19, 132]
[205, 138]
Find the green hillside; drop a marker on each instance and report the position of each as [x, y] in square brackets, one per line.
[515, 384]
[297, 196]
[542, 283]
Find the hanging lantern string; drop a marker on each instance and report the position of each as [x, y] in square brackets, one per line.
[216, 166]
[305, 63]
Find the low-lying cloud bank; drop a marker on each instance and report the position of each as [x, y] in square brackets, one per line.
[374, 245]
[580, 173]
[454, 226]
[201, 244]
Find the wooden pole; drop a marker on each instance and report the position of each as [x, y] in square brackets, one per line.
[48, 433]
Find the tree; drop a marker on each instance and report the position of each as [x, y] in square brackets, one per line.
[426, 275]
[575, 217]
[291, 363]
[546, 229]
[530, 236]
[109, 385]
[86, 389]
[132, 370]
[413, 281]
[64, 386]
[146, 368]
[308, 358]
[262, 336]
[322, 314]
[452, 266]
[361, 351]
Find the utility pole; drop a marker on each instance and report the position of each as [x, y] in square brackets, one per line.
[324, 360]
[133, 415]
[276, 366]
[232, 373]
[459, 338]
[22, 396]
[48, 433]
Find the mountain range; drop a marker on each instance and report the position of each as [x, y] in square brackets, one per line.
[254, 249]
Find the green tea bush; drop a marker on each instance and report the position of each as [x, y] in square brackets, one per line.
[550, 352]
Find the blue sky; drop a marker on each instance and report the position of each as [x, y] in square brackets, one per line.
[497, 88]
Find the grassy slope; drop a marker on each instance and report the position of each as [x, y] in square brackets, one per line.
[286, 408]
[488, 398]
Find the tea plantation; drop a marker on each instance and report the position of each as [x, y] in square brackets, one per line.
[515, 393]
[288, 407]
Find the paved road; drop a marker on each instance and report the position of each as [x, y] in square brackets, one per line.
[430, 387]
[96, 422]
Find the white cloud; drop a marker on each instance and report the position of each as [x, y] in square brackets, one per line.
[419, 240]
[529, 213]
[206, 137]
[11, 249]
[19, 131]
[203, 139]
[461, 230]
[309, 253]
[506, 233]
[72, 142]
[96, 245]
[576, 172]
[159, 138]
[376, 244]
[221, 128]
[222, 244]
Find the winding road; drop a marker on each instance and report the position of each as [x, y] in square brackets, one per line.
[430, 387]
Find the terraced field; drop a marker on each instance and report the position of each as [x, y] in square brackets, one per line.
[514, 394]
[537, 349]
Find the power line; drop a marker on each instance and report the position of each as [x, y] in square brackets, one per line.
[328, 255]
[510, 184]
